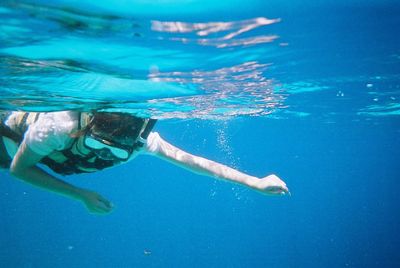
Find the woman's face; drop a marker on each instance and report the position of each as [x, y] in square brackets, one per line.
[108, 136]
[118, 128]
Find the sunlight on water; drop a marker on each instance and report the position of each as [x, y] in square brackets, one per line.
[236, 90]
[166, 63]
[92, 61]
[229, 31]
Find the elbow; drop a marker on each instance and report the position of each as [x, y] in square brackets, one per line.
[15, 171]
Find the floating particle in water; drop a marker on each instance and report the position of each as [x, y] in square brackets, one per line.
[70, 247]
[212, 194]
[340, 94]
[369, 85]
[154, 69]
[376, 99]
[213, 191]
[147, 252]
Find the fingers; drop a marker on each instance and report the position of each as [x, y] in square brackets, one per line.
[281, 189]
[98, 204]
[96, 210]
[278, 190]
[285, 190]
[103, 206]
[104, 203]
[100, 209]
[275, 186]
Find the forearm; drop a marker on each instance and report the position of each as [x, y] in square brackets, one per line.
[24, 166]
[39, 178]
[205, 167]
[201, 165]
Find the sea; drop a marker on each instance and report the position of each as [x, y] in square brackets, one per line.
[308, 90]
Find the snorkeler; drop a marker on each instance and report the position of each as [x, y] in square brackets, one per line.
[71, 142]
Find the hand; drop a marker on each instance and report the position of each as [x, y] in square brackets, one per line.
[271, 185]
[95, 203]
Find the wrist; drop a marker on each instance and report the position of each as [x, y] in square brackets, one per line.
[252, 182]
[78, 194]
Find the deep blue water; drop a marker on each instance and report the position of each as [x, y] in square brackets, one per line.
[327, 122]
[343, 210]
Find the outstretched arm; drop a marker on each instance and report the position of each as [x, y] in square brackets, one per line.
[24, 167]
[162, 149]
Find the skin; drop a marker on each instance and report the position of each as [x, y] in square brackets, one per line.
[270, 185]
[24, 166]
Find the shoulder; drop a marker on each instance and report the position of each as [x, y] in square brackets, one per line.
[56, 123]
[58, 120]
[51, 131]
[46, 121]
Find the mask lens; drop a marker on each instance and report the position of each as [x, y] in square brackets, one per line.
[97, 145]
[94, 144]
[119, 153]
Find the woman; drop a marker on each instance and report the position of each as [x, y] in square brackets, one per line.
[71, 142]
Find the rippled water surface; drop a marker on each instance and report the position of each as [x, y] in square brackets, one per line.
[182, 60]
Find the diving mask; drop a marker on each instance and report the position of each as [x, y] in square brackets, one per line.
[107, 150]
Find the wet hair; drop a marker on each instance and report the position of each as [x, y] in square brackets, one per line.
[116, 124]
[113, 125]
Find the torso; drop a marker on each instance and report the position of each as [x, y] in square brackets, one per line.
[68, 156]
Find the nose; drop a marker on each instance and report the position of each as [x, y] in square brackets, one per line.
[105, 154]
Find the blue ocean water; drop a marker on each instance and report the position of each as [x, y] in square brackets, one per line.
[308, 90]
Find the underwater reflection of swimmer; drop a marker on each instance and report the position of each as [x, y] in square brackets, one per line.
[71, 142]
